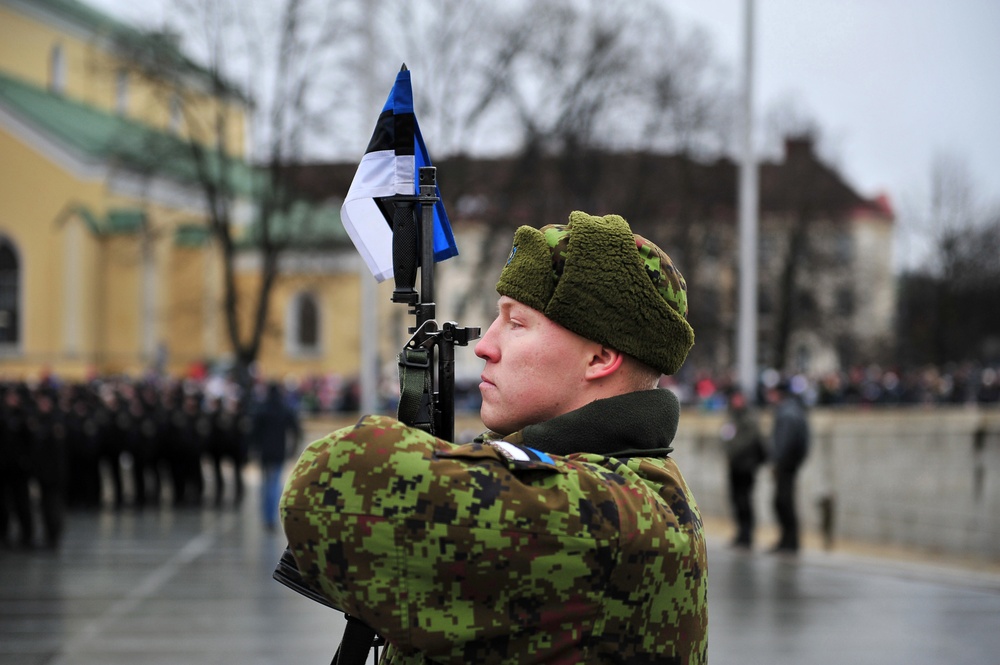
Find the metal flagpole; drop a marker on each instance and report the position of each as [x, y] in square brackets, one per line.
[369, 370]
[748, 224]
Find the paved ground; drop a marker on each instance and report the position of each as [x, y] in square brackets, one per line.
[174, 587]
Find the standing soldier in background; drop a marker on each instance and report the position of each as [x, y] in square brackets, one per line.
[49, 463]
[226, 446]
[191, 430]
[15, 468]
[115, 425]
[144, 445]
[84, 449]
[744, 448]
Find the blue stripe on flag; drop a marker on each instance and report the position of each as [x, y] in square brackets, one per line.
[390, 166]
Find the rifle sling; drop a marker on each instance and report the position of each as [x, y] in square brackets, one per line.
[415, 388]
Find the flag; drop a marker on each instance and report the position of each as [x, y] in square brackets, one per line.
[390, 166]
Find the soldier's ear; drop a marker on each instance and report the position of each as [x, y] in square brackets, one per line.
[604, 361]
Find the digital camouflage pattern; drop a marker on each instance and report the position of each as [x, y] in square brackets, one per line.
[491, 552]
[661, 270]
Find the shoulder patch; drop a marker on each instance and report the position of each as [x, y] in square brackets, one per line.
[516, 457]
[517, 453]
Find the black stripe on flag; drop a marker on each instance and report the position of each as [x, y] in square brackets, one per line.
[393, 132]
[405, 127]
[382, 136]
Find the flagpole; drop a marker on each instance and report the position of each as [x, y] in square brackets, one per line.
[746, 346]
[368, 374]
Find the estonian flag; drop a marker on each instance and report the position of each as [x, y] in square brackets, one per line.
[390, 166]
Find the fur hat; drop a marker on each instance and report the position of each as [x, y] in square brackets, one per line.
[596, 278]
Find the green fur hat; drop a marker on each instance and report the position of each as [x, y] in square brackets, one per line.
[596, 278]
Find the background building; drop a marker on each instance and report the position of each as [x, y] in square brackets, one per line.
[826, 288]
[113, 257]
[109, 262]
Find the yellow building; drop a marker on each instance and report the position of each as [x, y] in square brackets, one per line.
[107, 264]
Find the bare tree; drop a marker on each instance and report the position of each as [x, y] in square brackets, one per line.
[947, 309]
[574, 83]
[272, 59]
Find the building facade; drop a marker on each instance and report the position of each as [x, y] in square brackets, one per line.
[826, 292]
[107, 262]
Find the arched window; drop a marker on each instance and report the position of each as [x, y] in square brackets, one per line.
[304, 325]
[10, 288]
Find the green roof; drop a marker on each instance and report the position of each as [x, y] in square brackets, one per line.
[124, 221]
[304, 225]
[126, 143]
[191, 235]
[103, 135]
[85, 15]
[118, 221]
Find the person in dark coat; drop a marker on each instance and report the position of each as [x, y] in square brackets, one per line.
[83, 442]
[276, 434]
[144, 446]
[49, 465]
[789, 447]
[15, 468]
[226, 447]
[192, 429]
[114, 422]
[744, 448]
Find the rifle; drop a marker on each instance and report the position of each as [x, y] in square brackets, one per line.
[426, 389]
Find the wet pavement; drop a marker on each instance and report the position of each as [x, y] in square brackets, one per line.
[177, 587]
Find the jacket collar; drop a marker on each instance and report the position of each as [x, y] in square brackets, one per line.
[637, 424]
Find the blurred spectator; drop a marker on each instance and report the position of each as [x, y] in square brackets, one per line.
[789, 448]
[745, 453]
[275, 438]
[124, 438]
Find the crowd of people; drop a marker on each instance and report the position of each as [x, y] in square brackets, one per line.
[859, 386]
[144, 442]
[118, 443]
[862, 385]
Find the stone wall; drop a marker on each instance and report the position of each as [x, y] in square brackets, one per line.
[922, 478]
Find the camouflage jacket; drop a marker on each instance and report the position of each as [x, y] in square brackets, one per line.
[509, 550]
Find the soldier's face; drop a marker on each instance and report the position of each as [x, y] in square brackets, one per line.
[534, 368]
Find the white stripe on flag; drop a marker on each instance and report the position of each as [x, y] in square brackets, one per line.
[370, 234]
[361, 216]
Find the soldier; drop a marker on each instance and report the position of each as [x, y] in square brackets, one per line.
[227, 445]
[49, 464]
[144, 443]
[114, 422]
[565, 533]
[83, 441]
[15, 467]
[192, 428]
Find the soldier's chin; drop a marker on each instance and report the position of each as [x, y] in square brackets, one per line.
[494, 421]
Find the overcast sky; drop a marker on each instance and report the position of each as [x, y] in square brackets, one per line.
[891, 82]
